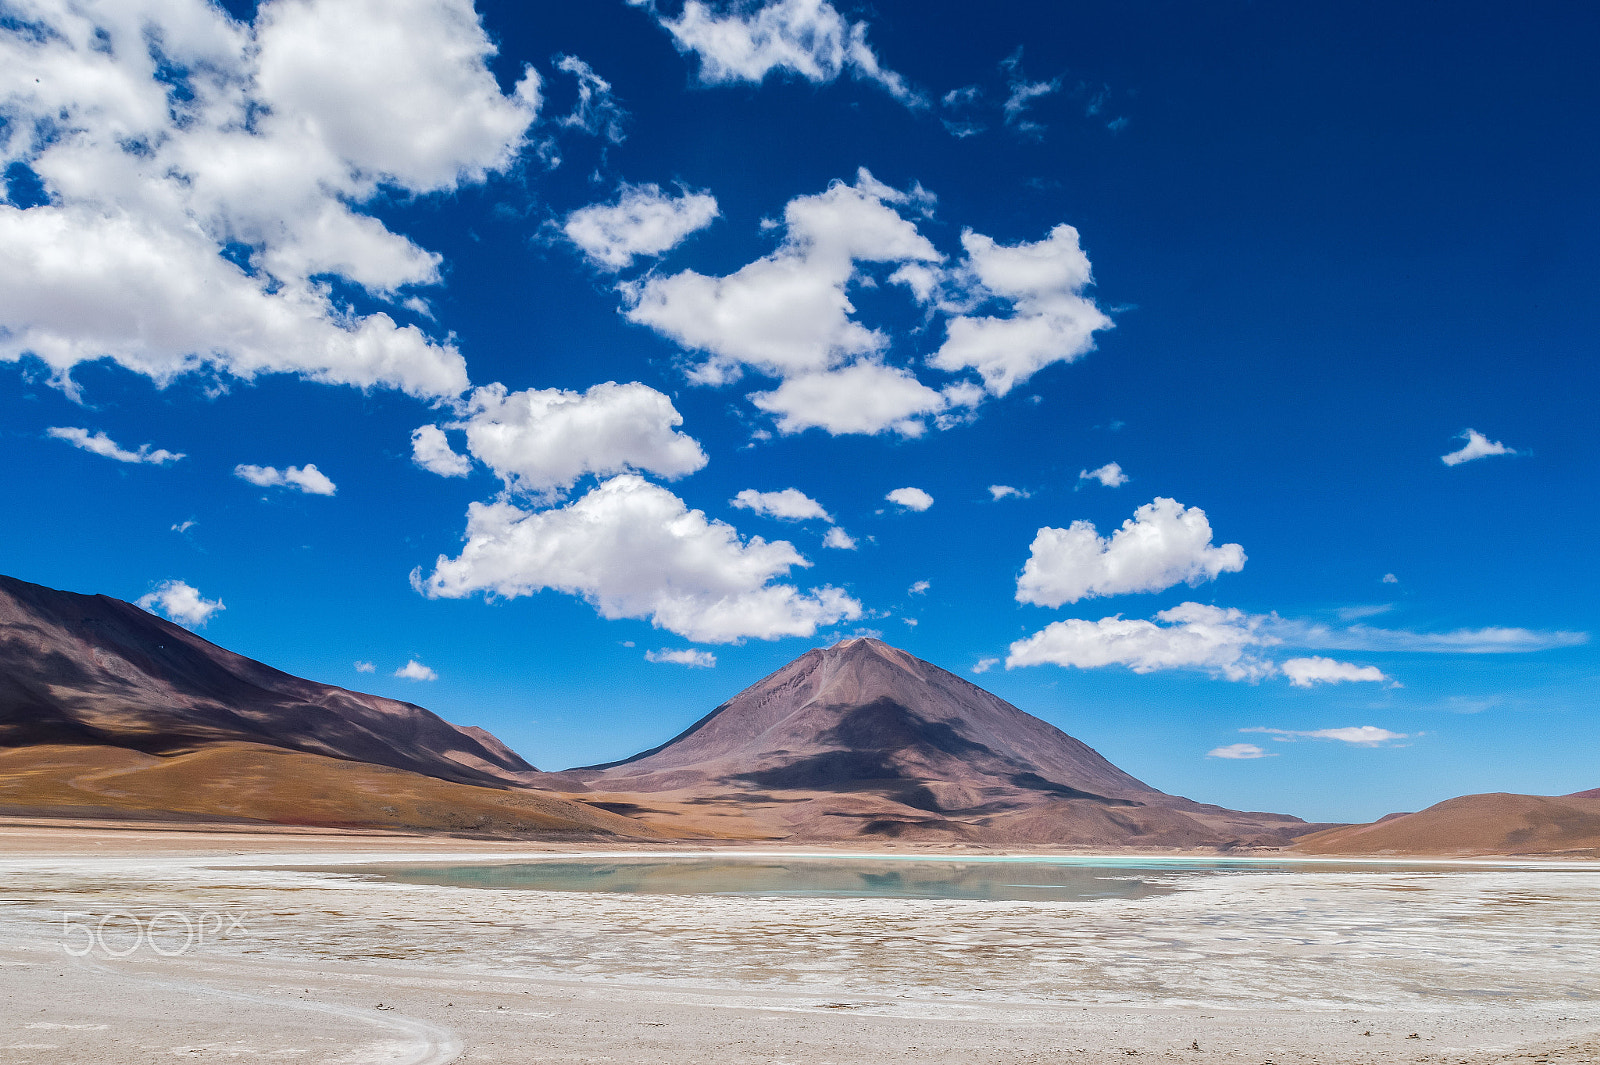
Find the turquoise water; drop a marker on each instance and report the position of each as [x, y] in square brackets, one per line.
[1009, 880]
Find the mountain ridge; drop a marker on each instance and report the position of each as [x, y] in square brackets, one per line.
[78, 668]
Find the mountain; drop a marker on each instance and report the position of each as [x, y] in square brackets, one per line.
[1493, 824]
[107, 711]
[89, 669]
[864, 740]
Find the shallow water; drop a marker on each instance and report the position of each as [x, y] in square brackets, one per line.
[1007, 880]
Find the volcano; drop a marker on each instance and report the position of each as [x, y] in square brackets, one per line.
[863, 739]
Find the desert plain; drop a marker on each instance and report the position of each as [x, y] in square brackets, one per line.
[1327, 962]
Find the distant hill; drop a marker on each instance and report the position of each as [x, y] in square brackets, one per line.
[862, 739]
[1493, 824]
[89, 669]
[254, 784]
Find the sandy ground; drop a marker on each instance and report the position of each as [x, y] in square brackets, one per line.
[1453, 965]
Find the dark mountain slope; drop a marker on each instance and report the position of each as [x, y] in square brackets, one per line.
[89, 669]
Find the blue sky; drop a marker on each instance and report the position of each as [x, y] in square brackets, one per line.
[505, 347]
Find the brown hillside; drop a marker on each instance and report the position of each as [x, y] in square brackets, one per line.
[1494, 824]
[261, 784]
[90, 669]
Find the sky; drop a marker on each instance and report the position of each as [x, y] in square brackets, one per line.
[1216, 382]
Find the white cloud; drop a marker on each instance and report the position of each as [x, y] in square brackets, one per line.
[910, 498]
[431, 450]
[910, 621]
[101, 444]
[787, 313]
[183, 526]
[596, 112]
[1021, 93]
[167, 133]
[791, 504]
[1361, 736]
[1232, 644]
[839, 539]
[1050, 319]
[307, 478]
[1492, 640]
[745, 42]
[1189, 636]
[414, 670]
[985, 664]
[1355, 613]
[1005, 491]
[1389, 578]
[541, 441]
[366, 667]
[180, 602]
[1309, 672]
[919, 588]
[1163, 544]
[634, 550]
[1477, 446]
[1239, 750]
[644, 221]
[685, 657]
[1110, 475]
[865, 397]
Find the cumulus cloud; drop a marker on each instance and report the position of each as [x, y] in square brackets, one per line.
[178, 601]
[910, 498]
[1005, 491]
[787, 313]
[790, 504]
[985, 664]
[1223, 642]
[865, 397]
[1237, 646]
[307, 478]
[1477, 446]
[204, 175]
[1239, 750]
[1389, 578]
[1359, 735]
[1049, 319]
[101, 444]
[366, 667]
[839, 539]
[644, 221]
[1009, 310]
[1308, 672]
[634, 550]
[414, 670]
[745, 42]
[686, 657]
[1163, 544]
[1110, 475]
[430, 449]
[919, 588]
[541, 441]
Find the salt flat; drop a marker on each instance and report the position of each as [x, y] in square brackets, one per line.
[1454, 963]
